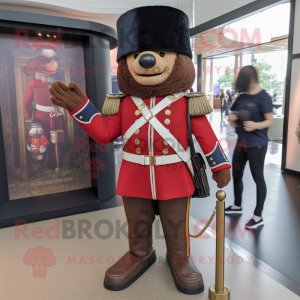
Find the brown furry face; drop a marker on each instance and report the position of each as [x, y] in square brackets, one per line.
[179, 79]
[159, 72]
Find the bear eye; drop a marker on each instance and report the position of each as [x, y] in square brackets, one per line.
[44, 68]
[162, 54]
[36, 68]
[136, 55]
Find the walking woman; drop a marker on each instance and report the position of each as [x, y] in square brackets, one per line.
[254, 109]
[228, 102]
[222, 97]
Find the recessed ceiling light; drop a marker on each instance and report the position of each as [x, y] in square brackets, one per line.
[39, 34]
[54, 36]
[48, 35]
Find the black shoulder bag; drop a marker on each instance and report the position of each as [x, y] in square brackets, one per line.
[198, 165]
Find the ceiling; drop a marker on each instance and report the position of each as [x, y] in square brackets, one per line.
[90, 6]
[100, 11]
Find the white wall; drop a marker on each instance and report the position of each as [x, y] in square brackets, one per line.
[293, 146]
[206, 10]
[296, 42]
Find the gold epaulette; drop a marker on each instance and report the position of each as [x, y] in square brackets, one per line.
[112, 104]
[198, 104]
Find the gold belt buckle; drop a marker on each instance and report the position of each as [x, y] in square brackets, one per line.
[147, 117]
[140, 107]
[152, 160]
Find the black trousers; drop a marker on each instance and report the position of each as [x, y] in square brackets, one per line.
[256, 157]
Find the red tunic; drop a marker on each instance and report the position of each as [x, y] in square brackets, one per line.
[152, 182]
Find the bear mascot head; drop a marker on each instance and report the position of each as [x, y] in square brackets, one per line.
[154, 53]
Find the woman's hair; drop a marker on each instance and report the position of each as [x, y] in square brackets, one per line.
[244, 78]
[228, 92]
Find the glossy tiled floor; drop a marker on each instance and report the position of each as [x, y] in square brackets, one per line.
[76, 261]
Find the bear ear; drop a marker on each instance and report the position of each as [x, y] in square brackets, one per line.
[198, 104]
[112, 103]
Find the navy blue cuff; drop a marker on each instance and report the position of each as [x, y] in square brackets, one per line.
[87, 113]
[217, 157]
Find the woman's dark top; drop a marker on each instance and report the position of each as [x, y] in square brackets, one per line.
[252, 108]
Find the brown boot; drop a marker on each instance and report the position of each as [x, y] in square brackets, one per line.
[174, 215]
[140, 216]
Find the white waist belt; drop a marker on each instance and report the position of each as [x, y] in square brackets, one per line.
[147, 160]
[151, 160]
[43, 108]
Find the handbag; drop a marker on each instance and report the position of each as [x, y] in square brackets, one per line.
[198, 164]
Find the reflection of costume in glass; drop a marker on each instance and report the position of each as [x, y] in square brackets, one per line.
[37, 143]
[50, 117]
[44, 68]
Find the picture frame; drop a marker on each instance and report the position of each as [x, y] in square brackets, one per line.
[97, 40]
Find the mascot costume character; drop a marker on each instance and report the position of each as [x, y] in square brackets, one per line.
[155, 73]
[37, 105]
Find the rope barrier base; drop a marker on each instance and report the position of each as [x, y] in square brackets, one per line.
[213, 295]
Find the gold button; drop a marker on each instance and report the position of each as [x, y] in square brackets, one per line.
[167, 121]
[214, 163]
[165, 151]
[137, 112]
[81, 117]
[211, 158]
[138, 150]
[136, 141]
[167, 112]
[137, 131]
[165, 143]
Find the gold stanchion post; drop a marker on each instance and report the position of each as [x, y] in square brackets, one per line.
[220, 291]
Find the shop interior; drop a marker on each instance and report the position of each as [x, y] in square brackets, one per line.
[222, 52]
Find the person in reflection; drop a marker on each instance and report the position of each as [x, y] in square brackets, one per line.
[254, 112]
[227, 102]
[222, 97]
